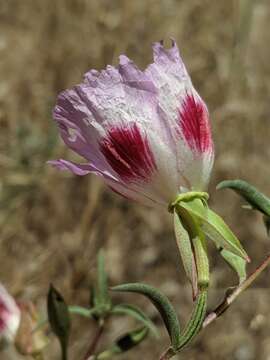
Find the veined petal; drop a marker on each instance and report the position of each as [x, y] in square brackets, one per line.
[81, 169]
[185, 114]
[128, 153]
[117, 186]
[145, 131]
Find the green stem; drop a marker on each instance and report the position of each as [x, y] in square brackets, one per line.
[78, 310]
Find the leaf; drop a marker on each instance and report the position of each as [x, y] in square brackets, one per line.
[102, 293]
[214, 227]
[236, 263]
[161, 302]
[124, 343]
[78, 310]
[99, 294]
[59, 319]
[196, 320]
[186, 252]
[252, 195]
[136, 313]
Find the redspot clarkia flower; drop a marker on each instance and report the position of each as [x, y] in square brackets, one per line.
[10, 316]
[146, 133]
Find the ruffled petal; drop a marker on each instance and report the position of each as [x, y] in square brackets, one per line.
[118, 187]
[146, 131]
[185, 114]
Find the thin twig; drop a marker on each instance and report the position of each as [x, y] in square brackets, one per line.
[95, 342]
[232, 296]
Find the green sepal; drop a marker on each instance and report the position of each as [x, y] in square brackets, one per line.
[59, 320]
[124, 343]
[162, 304]
[136, 313]
[187, 197]
[202, 262]
[186, 252]
[214, 227]
[236, 263]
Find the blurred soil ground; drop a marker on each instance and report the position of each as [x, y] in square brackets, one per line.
[52, 223]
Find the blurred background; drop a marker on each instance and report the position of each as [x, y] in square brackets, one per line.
[52, 223]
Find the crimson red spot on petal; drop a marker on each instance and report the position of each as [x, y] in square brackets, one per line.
[195, 125]
[127, 151]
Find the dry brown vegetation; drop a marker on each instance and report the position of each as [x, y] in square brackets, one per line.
[53, 223]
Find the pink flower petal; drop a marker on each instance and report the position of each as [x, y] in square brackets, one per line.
[194, 124]
[145, 131]
[192, 138]
[128, 153]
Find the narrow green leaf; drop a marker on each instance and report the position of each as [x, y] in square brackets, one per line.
[136, 313]
[124, 343]
[250, 193]
[214, 227]
[186, 252]
[196, 320]
[102, 283]
[78, 310]
[59, 320]
[236, 262]
[162, 304]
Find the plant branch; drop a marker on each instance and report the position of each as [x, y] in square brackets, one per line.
[93, 346]
[231, 296]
